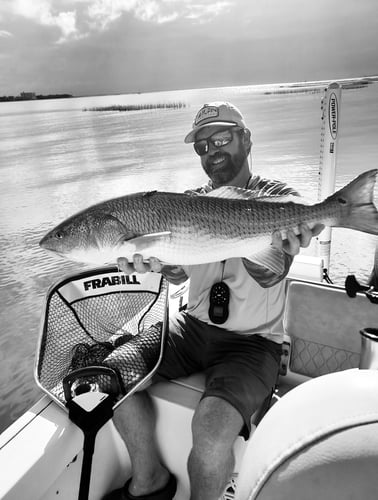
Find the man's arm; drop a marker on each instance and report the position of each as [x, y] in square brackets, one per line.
[280, 255]
[266, 277]
[174, 274]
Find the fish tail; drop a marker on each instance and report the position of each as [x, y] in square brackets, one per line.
[356, 204]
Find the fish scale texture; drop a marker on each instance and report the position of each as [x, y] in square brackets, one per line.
[215, 216]
[183, 229]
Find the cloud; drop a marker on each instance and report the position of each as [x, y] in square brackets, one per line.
[206, 11]
[76, 19]
[143, 45]
[66, 21]
[103, 12]
[47, 13]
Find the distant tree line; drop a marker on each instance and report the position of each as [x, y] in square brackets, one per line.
[23, 98]
[317, 87]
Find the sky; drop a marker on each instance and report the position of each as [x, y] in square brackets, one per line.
[94, 47]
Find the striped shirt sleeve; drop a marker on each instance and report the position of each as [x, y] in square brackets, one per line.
[278, 260]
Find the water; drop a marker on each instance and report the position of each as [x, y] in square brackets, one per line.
[56, 159]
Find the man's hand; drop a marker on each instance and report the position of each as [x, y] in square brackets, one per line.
[174, 274]
[294, 242]
[138, 265]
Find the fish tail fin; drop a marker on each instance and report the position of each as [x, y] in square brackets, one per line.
[357, 205]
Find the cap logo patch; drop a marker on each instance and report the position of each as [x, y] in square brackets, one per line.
[205, 113]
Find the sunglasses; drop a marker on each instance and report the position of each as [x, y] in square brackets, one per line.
[218, 140]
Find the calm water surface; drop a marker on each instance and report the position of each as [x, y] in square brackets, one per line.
[56, 159]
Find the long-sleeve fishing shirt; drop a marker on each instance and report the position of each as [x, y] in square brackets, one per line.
[256, 292]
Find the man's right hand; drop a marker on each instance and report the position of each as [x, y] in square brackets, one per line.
[138, 265]
[174, 274]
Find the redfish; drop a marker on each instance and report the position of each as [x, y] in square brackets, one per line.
[185, 229]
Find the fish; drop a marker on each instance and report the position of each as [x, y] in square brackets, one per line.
[186, 229]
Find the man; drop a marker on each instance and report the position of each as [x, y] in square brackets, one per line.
[230, 329]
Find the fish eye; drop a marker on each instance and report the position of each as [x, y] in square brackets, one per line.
[58, 235]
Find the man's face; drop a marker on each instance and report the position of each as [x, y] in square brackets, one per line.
[222, 153]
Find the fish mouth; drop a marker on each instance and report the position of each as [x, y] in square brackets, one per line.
[46, 244]
[50, 248]
[55, 252]
[43, 243]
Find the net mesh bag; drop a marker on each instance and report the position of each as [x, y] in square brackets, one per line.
[102, 319]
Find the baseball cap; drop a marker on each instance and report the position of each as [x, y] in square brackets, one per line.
[216, 113]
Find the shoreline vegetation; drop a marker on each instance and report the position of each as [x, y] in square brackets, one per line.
[138, 107]
[30, 96]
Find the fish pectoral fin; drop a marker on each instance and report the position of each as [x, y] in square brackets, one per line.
[145, 241]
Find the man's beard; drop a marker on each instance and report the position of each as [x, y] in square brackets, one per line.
[228, 170]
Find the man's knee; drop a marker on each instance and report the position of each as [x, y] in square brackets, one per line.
[215, 426]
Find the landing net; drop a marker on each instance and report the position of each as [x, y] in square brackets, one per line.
[102, 318]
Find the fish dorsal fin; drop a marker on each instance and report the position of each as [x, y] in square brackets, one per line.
[286, 198]
[232, 192]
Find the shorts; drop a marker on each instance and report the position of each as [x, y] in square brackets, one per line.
[241, 369]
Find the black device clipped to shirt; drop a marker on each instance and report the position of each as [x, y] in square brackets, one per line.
[219, 300]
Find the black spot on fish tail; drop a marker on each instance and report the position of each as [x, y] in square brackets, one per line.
[356, 200]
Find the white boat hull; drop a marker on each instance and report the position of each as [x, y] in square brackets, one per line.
[41, 453]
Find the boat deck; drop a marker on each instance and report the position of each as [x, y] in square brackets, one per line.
[41, 452]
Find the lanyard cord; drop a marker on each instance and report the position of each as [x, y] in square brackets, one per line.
[224, 261]
[224, 265]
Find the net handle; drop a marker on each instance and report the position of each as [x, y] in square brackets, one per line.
[91, 371]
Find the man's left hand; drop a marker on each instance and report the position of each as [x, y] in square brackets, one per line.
[295, 242]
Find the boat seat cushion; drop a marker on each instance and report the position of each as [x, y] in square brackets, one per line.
[196, 381]
[323, 324]
[320, 441]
